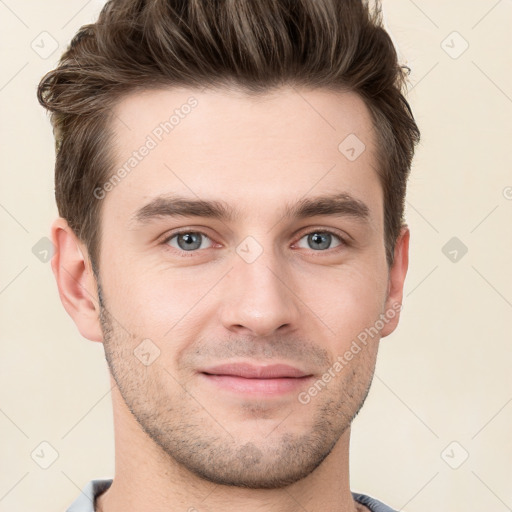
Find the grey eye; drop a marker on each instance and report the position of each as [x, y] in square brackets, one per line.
[320, 240]
[188, 241]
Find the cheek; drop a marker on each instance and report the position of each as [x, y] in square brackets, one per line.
[161, 304]
[349, 302]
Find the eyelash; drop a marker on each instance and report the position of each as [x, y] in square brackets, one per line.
[186, 254]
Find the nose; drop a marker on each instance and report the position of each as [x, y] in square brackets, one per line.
[259, 298]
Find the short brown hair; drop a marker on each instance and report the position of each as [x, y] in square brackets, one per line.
[256, 45]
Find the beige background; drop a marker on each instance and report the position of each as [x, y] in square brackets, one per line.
[442, 377]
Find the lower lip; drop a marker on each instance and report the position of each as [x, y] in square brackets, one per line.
[269, 387]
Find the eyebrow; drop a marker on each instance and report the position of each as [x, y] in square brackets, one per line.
[336, 205]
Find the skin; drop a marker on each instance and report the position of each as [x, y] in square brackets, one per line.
[182, 443]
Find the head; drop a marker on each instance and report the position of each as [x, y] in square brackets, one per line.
[270, 119]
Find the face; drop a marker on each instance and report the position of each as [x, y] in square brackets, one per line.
[246, 236]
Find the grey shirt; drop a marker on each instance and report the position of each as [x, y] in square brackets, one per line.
[85, 502]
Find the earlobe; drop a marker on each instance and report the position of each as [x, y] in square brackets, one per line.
[75, 280]
[396, 281]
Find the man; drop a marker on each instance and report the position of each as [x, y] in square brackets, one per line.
[230, 178]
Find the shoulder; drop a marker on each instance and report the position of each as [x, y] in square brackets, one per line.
[370, 504]
[85, 501]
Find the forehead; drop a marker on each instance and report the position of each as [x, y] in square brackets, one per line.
[252, 151]
[291, 110]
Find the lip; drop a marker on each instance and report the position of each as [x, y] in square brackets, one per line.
[253, 380]
[251, 371]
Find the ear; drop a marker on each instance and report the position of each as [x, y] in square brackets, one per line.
[75, 280]
[396, 280]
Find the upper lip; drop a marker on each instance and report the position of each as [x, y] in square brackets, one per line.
[251, 371]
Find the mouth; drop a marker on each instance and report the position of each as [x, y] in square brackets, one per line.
[270, 380]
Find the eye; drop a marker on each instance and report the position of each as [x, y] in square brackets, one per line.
[192, 241]
[321, 240]
[187, 240]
